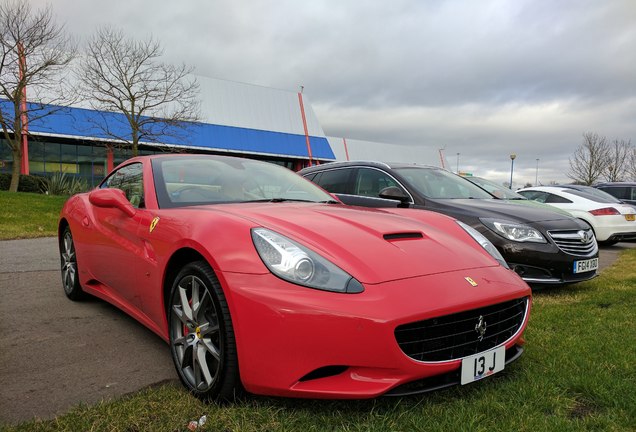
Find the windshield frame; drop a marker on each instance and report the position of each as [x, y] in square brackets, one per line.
[204, 177]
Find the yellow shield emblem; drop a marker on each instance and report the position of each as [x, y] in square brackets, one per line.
[154, 223]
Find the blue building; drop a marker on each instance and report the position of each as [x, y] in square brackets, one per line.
[237, 119]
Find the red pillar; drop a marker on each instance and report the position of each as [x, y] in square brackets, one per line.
[109, 160]
[344, 140]
[302, 113]
[24, 120]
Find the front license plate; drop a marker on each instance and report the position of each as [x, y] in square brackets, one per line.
[630, 217]
[482, 365]
[585, 265]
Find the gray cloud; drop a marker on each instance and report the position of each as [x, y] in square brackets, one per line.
[483, 79]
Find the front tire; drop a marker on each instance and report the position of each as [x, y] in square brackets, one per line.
[68, 262]
[201, 334]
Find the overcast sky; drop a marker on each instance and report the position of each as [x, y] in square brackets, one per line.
[480, 78]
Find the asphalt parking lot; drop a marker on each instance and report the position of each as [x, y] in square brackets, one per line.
[55, 354]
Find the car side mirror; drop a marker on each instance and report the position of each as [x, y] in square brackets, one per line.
[111, 198]
[394, 193]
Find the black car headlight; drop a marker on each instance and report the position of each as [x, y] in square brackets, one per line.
[485, 243]
[514, 231]
[297, 264]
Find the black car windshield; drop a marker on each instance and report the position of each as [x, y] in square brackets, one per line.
[497, 190]
[195, 180]
[438, 183]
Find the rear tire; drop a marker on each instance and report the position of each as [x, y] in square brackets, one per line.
[68, 262]
[201, 335]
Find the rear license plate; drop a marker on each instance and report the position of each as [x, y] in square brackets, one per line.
[482, 365]
[585, 265]
[630, 217]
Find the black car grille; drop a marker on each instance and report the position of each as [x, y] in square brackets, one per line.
[575, 242]
[462, 334]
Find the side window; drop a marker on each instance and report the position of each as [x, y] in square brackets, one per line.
[311, 176]
[555, 199]
[130, 180]
[535, 195]
[334, 181]
[618, 192]
[369, 182]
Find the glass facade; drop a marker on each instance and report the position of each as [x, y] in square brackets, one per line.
[85, 159]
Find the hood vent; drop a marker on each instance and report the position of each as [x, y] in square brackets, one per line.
[403, 236]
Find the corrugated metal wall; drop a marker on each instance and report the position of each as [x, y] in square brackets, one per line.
[384, 152]
[250, 106]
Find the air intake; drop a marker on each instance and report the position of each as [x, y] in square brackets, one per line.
[403, 236]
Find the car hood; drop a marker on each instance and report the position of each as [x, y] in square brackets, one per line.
[502, 209]
[371, 245]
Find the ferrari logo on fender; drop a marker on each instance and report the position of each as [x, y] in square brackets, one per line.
[471, 281]
[154, 223]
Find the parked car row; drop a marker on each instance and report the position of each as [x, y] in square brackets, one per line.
[259, 280]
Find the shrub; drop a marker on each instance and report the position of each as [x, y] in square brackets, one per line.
[28, 183]
[60, 184]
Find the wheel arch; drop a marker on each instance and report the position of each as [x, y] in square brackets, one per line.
[179, 258]
[588, 223]
[61, 227]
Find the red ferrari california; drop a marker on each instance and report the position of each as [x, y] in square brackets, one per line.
[260, 281]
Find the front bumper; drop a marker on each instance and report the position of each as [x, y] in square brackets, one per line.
[300, 342]
[543, 263]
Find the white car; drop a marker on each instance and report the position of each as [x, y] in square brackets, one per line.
[611, 220]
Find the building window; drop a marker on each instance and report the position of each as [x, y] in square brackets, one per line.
[6, 159]
[68, 159]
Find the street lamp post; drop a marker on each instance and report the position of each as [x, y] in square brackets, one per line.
[536, 175]
[457, 164]
[512, 167]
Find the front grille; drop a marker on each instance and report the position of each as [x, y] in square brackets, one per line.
[575, 242]
[458, 335]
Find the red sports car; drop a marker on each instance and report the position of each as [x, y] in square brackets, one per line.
[260, 281]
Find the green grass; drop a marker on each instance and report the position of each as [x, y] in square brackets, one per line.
[29, 215]
[578, 373]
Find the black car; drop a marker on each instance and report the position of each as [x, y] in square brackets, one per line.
[544, 247]
[624, 191]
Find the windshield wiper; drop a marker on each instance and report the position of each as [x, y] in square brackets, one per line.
[278, 200]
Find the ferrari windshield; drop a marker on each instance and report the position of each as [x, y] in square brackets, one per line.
[441, 184]
[197, 180]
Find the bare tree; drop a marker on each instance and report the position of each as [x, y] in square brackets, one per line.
[590, 160]
[618, 160]
[631, 164]
[125, 76]
[34, 53]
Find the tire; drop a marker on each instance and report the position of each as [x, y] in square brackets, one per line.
[202, 340]
[68, 263]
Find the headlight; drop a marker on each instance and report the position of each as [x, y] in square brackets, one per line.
[484, 242]
[514, 231]
[300, 265]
